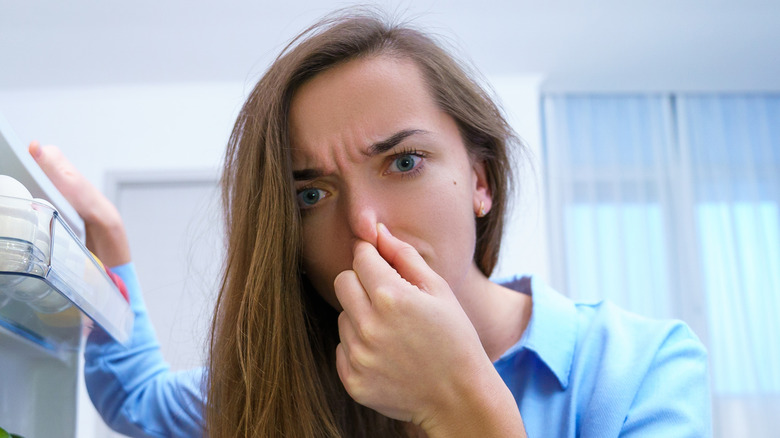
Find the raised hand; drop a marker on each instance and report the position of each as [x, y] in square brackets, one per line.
[105, 232]
[407, 349]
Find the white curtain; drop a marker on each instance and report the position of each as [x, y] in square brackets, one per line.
[669, 205]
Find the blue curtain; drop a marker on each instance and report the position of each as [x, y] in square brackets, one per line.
[669, 205]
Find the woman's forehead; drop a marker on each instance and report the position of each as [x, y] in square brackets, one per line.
[359, 103]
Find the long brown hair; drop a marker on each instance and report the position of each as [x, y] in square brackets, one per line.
[272, 368]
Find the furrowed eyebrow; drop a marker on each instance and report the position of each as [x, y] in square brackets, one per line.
[306, 174]
[373, 150]
[393, 141]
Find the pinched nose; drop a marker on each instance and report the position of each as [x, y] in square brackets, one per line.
[363, 212]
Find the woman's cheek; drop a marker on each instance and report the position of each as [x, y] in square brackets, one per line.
[450, 230]
[325, 255]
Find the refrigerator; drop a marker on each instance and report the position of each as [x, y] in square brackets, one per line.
[51, 291]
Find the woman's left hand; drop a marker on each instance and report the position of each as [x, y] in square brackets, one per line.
[407, 349]
[105, 232]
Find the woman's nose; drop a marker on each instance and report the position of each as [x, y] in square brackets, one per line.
[363, 213]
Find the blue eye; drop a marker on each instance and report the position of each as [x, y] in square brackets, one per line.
[308, 197]
[406, 162]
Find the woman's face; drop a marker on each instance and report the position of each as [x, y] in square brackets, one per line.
[369, 145]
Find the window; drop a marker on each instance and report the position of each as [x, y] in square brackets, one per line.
[669, 205]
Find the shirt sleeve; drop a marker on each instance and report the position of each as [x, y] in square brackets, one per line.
[673, 399]
[132, 387]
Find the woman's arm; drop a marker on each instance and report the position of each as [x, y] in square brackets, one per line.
[131, 385]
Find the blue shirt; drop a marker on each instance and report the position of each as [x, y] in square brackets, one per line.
[590, 370]
[595, 370]
[133, 388]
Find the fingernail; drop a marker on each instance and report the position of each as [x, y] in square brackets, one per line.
[383, 229]
[35, 149]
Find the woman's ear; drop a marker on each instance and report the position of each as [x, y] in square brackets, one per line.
[483, 197]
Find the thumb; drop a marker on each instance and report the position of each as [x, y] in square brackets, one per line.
[407, 262]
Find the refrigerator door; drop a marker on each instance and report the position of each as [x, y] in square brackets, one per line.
[51, 290]
[48, 279]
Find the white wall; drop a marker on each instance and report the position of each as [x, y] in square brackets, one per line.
[154, 127]
[524, 249]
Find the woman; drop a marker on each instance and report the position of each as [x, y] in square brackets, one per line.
[365, 187]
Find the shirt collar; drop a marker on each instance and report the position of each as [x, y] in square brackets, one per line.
[552, 330]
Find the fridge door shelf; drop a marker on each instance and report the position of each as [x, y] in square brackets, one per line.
[49, 281]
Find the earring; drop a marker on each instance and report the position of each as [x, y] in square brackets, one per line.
[481, 212]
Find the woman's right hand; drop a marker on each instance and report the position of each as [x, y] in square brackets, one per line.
[105, 232]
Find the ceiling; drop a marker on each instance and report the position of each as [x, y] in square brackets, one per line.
[612, 45]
